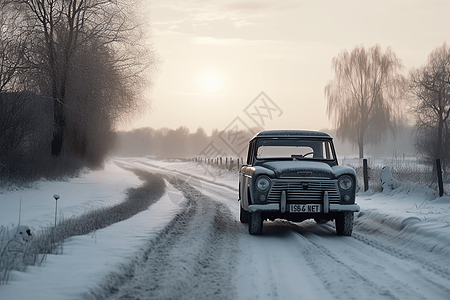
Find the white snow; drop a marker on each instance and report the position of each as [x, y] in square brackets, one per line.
[77, 195]
[280, 166]
[17, 236]
[388, 183]
[408, 214]
[86, 259]
[286, 166]
[341, 170]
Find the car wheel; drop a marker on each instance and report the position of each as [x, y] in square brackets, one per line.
[243, 215]
[255, 223]
[344, 223]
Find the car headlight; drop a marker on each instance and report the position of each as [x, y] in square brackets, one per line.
[345, 182]
[263, 183]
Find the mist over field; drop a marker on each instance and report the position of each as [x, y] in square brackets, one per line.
[181, 143]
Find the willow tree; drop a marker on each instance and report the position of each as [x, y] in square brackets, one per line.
[364, 98]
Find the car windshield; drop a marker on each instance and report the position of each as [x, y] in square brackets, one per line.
[295, 149]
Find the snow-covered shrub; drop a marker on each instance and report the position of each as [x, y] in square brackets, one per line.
[14, 239]
[388, 183]
[14, 250]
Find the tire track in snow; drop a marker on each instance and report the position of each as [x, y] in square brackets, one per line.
[341, 285]
[439, 271]
[188, 175]
[370, 269]
[193, 258]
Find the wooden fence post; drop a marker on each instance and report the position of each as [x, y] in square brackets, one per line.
[365, 175]
[439, 177]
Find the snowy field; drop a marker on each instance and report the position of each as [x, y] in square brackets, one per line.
[400, 248]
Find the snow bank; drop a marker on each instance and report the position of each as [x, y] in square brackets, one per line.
[78, 195]
[409, 214]
[86, 259]
[428, 235]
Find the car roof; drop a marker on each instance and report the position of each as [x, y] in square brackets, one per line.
[291, 134]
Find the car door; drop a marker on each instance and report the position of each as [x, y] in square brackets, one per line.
[245, 175]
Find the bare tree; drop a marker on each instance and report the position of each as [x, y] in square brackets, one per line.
[364, 98]
[430, 105]
[12, 49]
[17, 122]
[98, 94]
[65, 29]
[24, 127]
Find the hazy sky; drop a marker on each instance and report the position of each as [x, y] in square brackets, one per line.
[218, 56]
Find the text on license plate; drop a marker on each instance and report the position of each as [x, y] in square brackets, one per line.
[304, 208]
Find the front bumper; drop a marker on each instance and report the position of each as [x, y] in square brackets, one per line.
[328, 206]
[276, 207]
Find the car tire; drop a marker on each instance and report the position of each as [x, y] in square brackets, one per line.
[243, 215]
[255, 223]
[344, 224]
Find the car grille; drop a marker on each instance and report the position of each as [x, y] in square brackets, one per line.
[296, 191]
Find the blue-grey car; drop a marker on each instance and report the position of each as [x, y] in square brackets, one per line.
[294, 175]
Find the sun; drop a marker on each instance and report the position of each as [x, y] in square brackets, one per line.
[211, 81]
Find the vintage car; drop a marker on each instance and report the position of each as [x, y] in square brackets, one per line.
[294, 175]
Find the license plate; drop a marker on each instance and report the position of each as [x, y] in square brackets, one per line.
[304, 208]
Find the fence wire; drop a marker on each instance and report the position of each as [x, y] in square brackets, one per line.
[402, 170]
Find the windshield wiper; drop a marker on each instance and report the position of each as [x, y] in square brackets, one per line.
[297, 156]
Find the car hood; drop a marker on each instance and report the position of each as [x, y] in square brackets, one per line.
[292, 169]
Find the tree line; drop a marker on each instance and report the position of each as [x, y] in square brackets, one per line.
[176, 143]
[181, 143]
[70, 71]
[370, 98]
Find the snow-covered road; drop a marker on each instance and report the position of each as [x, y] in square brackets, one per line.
[191, 245]
[192, 258]
[209, 254]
